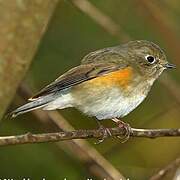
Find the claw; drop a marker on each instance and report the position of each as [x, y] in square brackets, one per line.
[126, 126]
[126, 137]
[106, 133]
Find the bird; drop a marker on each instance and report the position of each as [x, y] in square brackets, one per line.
[108, 84]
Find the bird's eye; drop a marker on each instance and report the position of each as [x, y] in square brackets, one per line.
[150, 59]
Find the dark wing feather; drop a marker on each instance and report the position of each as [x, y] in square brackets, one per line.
[76, 76]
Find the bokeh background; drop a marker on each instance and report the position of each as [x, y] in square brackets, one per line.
[76, 28]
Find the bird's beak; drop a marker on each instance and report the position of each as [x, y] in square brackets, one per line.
[169, 66]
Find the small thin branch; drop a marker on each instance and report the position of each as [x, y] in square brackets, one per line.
[85, 134]
[154, 133]
[166, 170]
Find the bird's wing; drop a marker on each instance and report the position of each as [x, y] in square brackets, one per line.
[78, 75]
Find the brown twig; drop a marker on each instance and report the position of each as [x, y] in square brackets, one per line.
[166, 170]
[85, 134]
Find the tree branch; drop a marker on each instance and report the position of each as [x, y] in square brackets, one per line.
[171, 167]
[85, 134]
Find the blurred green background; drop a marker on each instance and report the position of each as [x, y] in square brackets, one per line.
[71, 35]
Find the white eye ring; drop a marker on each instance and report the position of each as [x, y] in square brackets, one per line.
[151, 59]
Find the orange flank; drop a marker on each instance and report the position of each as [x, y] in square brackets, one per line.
[120, 77]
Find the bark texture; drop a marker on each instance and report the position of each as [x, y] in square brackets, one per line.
[22, 25]
[100, 134]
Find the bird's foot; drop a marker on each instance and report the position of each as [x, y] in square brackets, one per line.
[126, 126]
[106, 133]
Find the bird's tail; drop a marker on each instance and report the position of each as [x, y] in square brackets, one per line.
[35, 104]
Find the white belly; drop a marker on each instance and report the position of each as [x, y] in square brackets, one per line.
[113, 104]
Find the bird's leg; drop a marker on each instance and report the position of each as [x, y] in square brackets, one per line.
[106, 132]
[124, 125]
